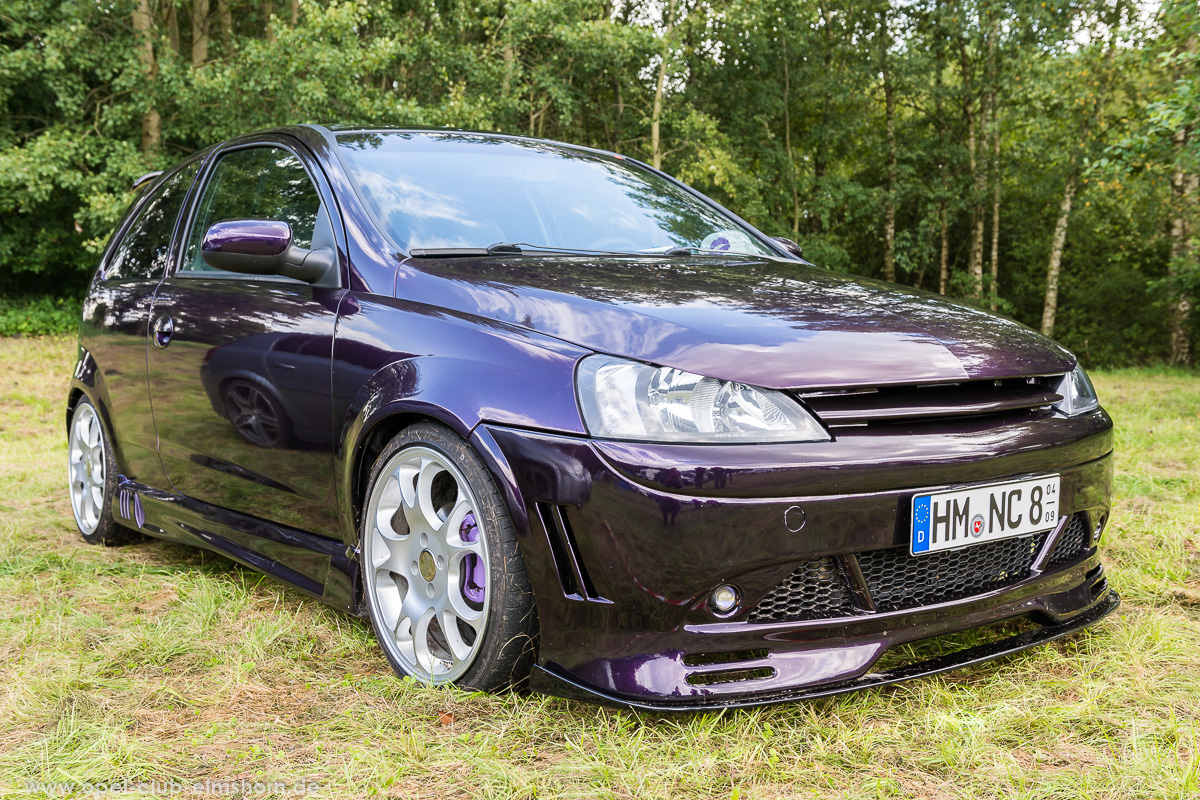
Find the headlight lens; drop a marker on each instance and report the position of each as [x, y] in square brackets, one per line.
[624, 399]
[1079, 396]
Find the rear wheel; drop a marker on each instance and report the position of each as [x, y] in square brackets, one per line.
[91, 479]
[445, 586]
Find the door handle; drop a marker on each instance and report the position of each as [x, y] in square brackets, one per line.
[162, 330]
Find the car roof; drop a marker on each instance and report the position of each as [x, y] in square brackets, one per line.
[330, 133]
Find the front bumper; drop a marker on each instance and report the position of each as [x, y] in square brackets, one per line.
[624, 543]
[551, 680]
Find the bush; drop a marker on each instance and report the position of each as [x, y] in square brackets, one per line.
[38, 316]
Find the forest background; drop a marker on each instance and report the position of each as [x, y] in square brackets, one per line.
[1038, 158]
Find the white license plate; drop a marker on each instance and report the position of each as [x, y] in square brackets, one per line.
[948, 520]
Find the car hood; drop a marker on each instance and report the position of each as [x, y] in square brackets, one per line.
[777, 324]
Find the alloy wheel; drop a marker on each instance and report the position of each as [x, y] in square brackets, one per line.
[86, 468]
[426, 559]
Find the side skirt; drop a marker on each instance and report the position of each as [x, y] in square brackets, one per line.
[315, 565]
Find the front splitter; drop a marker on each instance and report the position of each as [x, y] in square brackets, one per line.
[554, 680]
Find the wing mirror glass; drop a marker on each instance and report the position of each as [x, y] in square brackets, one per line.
[264, 247]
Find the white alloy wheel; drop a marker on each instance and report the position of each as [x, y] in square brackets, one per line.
[426, 565]
[86, 468]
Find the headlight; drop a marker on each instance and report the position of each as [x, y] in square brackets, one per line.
[1079, 396]
[624, 399]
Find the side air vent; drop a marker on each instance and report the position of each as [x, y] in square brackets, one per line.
[572, 572]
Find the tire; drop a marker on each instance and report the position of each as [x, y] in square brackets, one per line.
[92, 478]
[444, 584]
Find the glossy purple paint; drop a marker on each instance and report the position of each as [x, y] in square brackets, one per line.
[251, 237]
[489, 346]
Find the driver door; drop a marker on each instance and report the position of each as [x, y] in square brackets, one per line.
[240, 365]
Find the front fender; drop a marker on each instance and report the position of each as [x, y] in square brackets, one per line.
[446, 368]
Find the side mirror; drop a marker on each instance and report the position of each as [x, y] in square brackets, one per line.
[263, 247]
[790, 246]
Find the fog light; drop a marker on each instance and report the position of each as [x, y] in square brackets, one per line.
[724, 600]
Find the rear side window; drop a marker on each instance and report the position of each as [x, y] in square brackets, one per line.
[255, 183]
[142, 251]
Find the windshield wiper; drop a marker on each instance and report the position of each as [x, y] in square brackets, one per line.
[685, 250]
[503, 249]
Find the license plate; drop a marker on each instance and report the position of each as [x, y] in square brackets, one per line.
[963, 517]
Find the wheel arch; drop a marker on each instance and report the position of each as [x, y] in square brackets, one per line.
[451, 392]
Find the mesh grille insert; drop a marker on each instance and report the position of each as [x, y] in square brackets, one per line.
[817, 590]
[898, 580]
[1072, 544]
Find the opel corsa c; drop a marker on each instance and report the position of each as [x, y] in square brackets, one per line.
[548, 416]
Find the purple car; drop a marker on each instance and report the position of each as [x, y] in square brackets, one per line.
[547, 416]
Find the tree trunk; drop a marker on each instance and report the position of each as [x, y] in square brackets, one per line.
[199, 32]
[173, 27]
[994, 107]
[944, 253]
[295, 12]
[978, 182]
[787, 140]
[1090, 118]
[224, 20]
[889, 103]
[143, 24]
[1183, 189]
[1050, 308]
[819, 157]
[659, 92]
[268, 12]
[656, 117]
[995, 212]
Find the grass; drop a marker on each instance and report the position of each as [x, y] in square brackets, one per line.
[159, 662]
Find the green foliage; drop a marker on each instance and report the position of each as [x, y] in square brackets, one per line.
[38, 316]
[776, 110]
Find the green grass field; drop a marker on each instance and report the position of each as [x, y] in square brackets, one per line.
[159, 662]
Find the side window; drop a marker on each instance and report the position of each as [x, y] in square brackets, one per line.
[142, 252]
[255, 183]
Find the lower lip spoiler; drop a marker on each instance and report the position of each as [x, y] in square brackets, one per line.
[554, 681]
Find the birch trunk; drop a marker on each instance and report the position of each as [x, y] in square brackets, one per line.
[994, 107]
[787, 140]
[1183, 187]
[656, 115]
[889, 225]
[1050, 308]
[660, 87]
[975, 262]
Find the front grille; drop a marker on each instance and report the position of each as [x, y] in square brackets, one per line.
[896, 580]
[1072, 543]
[817, 590]
[872, 405]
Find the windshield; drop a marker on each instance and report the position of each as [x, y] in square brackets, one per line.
[450, 190]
